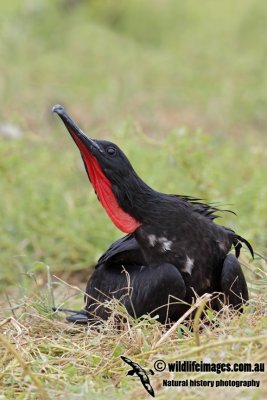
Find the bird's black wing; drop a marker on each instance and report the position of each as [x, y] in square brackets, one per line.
[146, 382]
[124, 250]
[149, 388]
[208, 210]
[132, 364]
[237, 241]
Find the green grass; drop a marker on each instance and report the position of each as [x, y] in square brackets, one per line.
[182, 88]
[52, 214]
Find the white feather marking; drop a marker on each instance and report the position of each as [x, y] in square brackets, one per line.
[207, 282]
[188, 265]
[152, 240]
[222, 246]
[165, 243]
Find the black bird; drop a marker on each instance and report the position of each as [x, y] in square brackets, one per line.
[173, 249]
[141, 373]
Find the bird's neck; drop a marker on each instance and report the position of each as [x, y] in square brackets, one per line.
[137, 199]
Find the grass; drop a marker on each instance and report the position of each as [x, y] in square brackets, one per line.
[51, 359]
[181, 87]
[48, 196]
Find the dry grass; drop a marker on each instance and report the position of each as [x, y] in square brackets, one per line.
[45, 358]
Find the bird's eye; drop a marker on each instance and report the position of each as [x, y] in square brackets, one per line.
[111, 151]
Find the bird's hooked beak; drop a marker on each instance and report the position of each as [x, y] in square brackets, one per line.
[93, 156]
[77, 134]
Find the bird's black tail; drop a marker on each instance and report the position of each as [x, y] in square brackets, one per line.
[237, 242]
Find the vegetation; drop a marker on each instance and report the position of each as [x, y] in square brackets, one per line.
[182, 88]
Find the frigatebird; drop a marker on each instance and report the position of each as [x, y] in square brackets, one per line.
[141, 373]
[173, 250]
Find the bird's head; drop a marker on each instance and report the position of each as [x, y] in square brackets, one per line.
[110, 173]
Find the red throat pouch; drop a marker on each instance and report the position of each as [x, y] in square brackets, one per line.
[103, 188]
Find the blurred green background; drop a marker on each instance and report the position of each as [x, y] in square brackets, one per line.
[181, 86]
